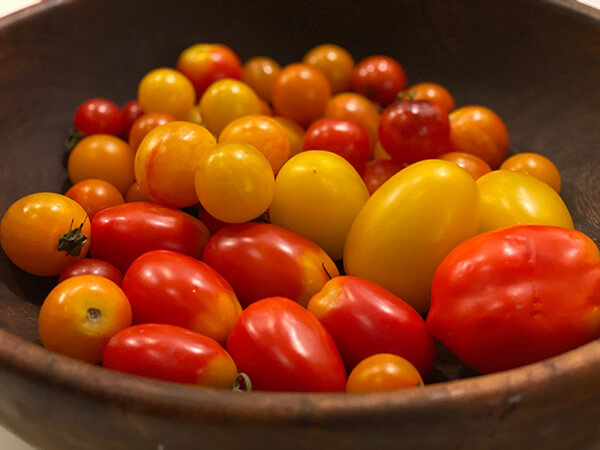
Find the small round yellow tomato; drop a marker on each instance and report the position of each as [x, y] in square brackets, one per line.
[317, 195]
[260, 73]
[535, 165]
[39, 233]
[513, 198]
[81, 314]
[226, 100]
[261, 132]
[194, 116]
[167, 160]
[295, 133]
[234, 182]
[409, 225]
[166, 91]
[335, 62]
[383, 372]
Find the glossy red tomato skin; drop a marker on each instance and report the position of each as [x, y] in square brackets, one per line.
[124, 232]
[516, 296]
[92, 266]
[261, 260]
[169, 287]
[379, 171]
[364, 319]
[131, 111]
[411, 131]
[170, 353]
[379, 78]
[283, 347]
[343, 137]
[98, 116]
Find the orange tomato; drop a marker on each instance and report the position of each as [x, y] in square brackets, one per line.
[476, 166]
[379, 152]
[383, 372]
[142, 126]
[433, 92]
[95, 195]
[295, 133]
[259, 73]
[356, 108]
[135, 194]
[535, 165]
[103, 157]
[167, 91]
[81, 314]
[335, 62]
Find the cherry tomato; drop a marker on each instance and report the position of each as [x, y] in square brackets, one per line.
[411, 131]
[144, 125]
[476, 166]
[131, 111]
[383, 373]
[235, 182]
[45, 232]
[169, 287]
[479, 131]
[166, 91]
[355, 108]
[195, 116]
[341, 137]
[226, 100]
[295, 134]
[379, 152]
[204, 64]
[95, 195]
[259, 73]
[81, 314]
[170, 353]
[433, 92]
[135, 194]
[261, 260]
[516, 296]
[98, 116]
[124, 232]
[283, 347]
[301, 93]
[262, 132]
[365, 319]
[167, 159]
[92, 266]
[317, 195]
[265, 108]
[335, 62]
[212, 223]
[379, 78]
[103, 157]
[535, 165]
[379, 171]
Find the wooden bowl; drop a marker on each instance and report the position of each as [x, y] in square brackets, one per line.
[537, 63]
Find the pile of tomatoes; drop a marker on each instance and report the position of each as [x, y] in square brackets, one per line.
[313, 227]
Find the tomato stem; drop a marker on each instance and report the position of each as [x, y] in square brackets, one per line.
[242, 383]
[73, 240]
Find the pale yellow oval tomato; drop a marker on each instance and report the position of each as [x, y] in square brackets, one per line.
[409, 225]
[167, 91]
[234, 182]
[513, 198]
[317, 195]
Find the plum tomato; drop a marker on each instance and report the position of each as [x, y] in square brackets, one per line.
[430, 91]
[259, 73]
[535, 165]
[355, 108]
[81, 314]
[169, 287]
[94, 195]
[98, 116]
[166, 91]
[379, 171]
[335, 62]
[132, 110]
[379, 78]
[383, 372]
[283, 347]
[143, 125]
[92, 266]
[295, 134]
[476, 166]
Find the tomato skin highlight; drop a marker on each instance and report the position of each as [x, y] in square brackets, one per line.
[283, 347]
[170, 353]
[365, 319]
[516, 296]
[261, 260]
[124, 232]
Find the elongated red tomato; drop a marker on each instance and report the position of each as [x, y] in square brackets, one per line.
[168, 287]
[124, 232]
[170, 353]
[365, 319]
[283, 347]
[517, 295]
[263, 260]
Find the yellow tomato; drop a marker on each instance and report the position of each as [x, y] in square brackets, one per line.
[234, 182]
[317, 195]
[512, 198]
[409, 225]
[167, 91]
[167, 160]
[295, 133]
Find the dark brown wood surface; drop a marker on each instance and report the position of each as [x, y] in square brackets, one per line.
[537, 63]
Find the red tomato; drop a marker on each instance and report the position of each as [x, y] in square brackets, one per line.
[379, 171]
[131, 111]
[92, 266]
[379, 78]
[169, 287]
[98, 116]
[516, 296]
[364, 319]
[283, 347]
[262, 260]
[123, 232]
[170, 353]
[212, 223]
[343, 137]
[411, 131]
